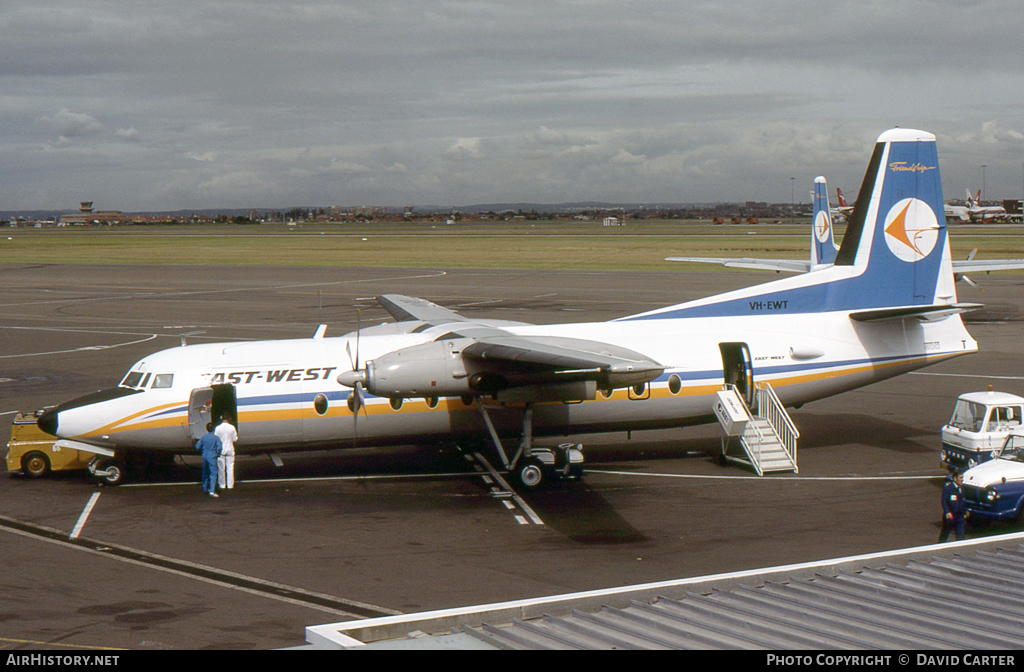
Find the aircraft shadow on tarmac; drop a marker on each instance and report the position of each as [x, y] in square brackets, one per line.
[583, 516]
[840, 429]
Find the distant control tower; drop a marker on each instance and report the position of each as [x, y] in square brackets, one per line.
[85, 207]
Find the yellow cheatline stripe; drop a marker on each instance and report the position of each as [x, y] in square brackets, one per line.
[106, 429]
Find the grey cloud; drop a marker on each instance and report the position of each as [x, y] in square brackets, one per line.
[70, 124]
[401, 102]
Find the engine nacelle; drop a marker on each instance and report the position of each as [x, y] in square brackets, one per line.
[432, 369]
[441, 369]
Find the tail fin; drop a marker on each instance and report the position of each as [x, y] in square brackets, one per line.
[841, 199]
[893, 262]
[896, 239]
[823, 248]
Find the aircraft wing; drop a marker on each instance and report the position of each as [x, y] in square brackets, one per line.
[566, 355]
[482, 358]
[407, 308]
[790, 265]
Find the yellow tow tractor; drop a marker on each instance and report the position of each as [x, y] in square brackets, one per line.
[32, 452]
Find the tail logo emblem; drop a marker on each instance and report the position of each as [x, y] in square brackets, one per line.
[822, 226]
[911, 229]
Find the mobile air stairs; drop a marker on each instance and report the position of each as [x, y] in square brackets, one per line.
[767, 438]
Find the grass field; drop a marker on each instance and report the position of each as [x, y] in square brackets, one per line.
[568, 245]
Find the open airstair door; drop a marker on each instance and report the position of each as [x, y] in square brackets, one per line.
[210, 404]
[738, 370]
[767, 435]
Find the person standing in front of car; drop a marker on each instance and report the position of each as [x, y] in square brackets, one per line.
[954, 507]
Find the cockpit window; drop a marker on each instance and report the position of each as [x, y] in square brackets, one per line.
[163, 380]
[132, 379]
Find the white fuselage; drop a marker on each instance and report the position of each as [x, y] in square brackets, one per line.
[277, 383]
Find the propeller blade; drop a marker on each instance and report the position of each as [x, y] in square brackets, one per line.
[359, 320]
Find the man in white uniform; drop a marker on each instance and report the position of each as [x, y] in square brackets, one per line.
[226, 473]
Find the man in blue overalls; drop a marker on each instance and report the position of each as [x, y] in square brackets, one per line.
[954, 507]
[210, 446]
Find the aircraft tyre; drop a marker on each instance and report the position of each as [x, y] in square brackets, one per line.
[35, 464]
[530, 474]
[110, 471]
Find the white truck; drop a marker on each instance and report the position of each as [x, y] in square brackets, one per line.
[980, 424]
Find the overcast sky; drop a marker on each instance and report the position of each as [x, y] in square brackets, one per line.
[169, 104]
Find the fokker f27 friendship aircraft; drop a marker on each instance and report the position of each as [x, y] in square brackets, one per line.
[885, 306]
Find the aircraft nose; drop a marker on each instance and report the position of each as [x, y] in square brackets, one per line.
[48, 421]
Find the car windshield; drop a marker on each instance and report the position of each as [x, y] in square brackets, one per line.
[1013, 448]
[968, 415]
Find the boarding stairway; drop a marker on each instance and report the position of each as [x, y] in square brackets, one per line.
[767, 438]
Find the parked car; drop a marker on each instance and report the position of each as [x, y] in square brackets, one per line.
[994, 490]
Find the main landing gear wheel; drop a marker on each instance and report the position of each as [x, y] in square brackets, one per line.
[530, 474]
[35, 464]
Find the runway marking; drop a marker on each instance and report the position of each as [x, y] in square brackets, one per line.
[965, 375]
[795, 479]
[205, 573]
[150, 295]
[376, 477]
[501, 490]
[82, 349]
[85, 516]
[58, 644]
[506, 490]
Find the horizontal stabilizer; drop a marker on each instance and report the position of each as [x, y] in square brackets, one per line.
[408, 308]
[933, 312]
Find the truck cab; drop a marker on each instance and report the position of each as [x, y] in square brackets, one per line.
[979, 426]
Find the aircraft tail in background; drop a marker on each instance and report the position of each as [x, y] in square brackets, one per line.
[823, 247]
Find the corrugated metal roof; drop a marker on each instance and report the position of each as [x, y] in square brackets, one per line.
[971, 601]
[960, 595]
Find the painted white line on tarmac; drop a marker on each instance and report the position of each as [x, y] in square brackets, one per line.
[82, 349]
[232, 290]
[794, 479]
[84, 517]
[534, 518]
[965, 375]
[380, 477]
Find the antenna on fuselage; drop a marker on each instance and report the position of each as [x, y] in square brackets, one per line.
[189, 333]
